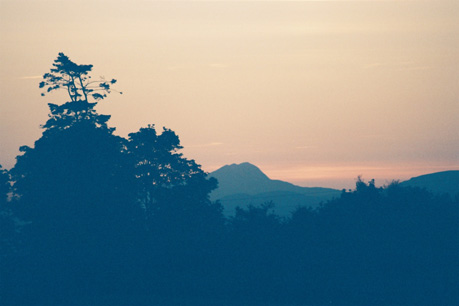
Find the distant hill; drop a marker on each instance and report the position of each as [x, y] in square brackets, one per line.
[245, 184]
[439, 182]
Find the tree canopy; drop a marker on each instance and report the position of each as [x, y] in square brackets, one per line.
[80, 173]
[76, 80]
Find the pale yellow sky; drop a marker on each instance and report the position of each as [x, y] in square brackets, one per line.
[313, 92]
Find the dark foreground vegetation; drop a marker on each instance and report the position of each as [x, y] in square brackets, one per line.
[90, 218]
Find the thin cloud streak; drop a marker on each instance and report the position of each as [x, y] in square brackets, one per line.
[402, 66]
[32, 77]
[218, 65]
[206, 145]
[306, 147]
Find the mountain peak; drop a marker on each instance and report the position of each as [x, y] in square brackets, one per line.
[245, 171]
[244, 184]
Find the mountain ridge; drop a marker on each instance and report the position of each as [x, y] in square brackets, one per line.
[248, 178]
[245, 184]
[437, 182]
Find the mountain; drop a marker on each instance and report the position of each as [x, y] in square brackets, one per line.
[439, 182]
[245, 184]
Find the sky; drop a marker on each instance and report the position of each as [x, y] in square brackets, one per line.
[313, 92]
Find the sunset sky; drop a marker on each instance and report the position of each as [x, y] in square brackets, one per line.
[313, 92]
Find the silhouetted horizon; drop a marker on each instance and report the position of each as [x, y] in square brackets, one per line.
[88, 217]
[315, 93]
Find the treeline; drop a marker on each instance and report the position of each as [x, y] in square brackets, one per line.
[91, 218]
[371, 246]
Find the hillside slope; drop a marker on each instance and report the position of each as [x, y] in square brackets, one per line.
[245, 184]
[439, 182]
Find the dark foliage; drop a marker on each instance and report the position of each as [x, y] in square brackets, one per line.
[4, 185]
[8, 227]
[76, 80]
[97, 219]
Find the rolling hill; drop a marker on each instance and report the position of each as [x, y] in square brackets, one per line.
[439, 182]
[245, 184]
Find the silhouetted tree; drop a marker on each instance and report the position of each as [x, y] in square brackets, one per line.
[4, 185]
[105, 212]
[7, 223]
[388, 245]
[10, 237]
[184, 227]
[256, 251]
[76, 80]
[78, 160]
[75, 187]
[159, 166]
